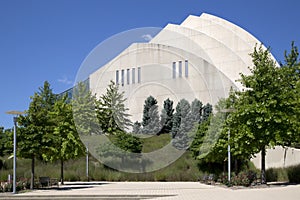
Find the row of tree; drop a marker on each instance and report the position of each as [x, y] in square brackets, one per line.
[47, 131]
[170, 120]
[52, 124]
[263, 115]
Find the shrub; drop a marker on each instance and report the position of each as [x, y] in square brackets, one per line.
[276, 174]
[293, 173]
[271, 175]
[244, 178]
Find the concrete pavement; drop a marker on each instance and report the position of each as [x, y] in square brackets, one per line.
[158, 191]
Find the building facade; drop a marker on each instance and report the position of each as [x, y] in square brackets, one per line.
[200, 58]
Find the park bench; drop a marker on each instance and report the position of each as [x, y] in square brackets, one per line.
[45, 181]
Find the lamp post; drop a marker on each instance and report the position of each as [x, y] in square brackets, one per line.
[87, 162]
[15, 118]
[229, 110]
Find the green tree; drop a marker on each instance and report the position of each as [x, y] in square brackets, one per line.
[65, 141]
[206, 112]
[167, 116]
[210, 142]
[35, 125]
[196, 108]
[136, 127]
[6, 138]
[180, 135]
[128, 142]
[151, 123]
[290, 93]
[111, 111]
[84, 110]
[149, 102]
[265, 113]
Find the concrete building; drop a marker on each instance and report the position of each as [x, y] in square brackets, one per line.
[200, 58]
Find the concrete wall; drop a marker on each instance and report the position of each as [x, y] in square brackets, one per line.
[216, 50]
[279, 157]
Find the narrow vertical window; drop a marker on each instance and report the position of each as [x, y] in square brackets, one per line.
[174, 70]
[180, 69]
[133, 75]
[117, 77]
[122, 77]
[139, 74]
[186, 71]
[128, 76]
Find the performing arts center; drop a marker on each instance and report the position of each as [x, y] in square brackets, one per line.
[200, 58]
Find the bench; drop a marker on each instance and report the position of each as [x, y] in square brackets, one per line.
[45, 181]
[208, 179]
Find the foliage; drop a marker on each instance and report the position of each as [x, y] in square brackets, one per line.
[84, 106]
[35, 125]
[75, 169]
[244, 178]
[293, 173]
[211, 140]
[206, 112]
[6, 138]
[276, 174]
[111, 111]
[137, 127]
[65, 140]
[128, 142]
[176, 120]
[180, 131]
[151, 123]
[167, 116]
[196, 109]
[266, 111]
[290, 174]
[199, 138]
[149, 103]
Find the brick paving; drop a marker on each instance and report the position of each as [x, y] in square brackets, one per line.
[156, 190]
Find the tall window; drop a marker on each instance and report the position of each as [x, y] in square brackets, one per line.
[180, 69]
[174, 70]
[117, 77]
[139, 74]
[122, 77]
[186, 71]
[133, 75]
[128, 76]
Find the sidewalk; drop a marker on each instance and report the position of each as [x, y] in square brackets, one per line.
[157, 190]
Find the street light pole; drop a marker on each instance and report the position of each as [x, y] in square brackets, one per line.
[229, 157]
[15, 155]
[15, 119]
[229, 110]
[87, 162]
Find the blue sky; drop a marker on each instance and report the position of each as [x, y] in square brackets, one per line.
[49, 39]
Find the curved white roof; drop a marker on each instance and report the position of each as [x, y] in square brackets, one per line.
[200, 58]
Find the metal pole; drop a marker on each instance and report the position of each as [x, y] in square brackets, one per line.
[229, 160]
[15, 156]
[87, 162]
[15, 119]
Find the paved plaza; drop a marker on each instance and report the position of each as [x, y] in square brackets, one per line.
[157, 190]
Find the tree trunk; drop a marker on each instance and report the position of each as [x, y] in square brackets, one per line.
[263, 166]
[32, 173]
[62, 171]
